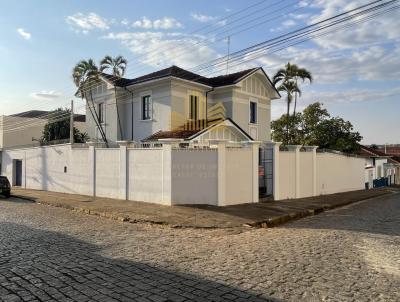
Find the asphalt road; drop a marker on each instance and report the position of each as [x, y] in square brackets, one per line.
[53, 254]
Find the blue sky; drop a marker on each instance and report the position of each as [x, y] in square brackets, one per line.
[357, 71]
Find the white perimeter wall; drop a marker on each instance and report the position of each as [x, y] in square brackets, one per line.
[159, 175]
[287, 175]
[239, 174]
[339, 173]
[195, 176]
[300, 176]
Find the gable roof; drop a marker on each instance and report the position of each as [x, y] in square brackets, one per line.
[175, 71]
[371, 152]
[394, 160]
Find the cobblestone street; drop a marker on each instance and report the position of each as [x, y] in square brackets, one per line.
[53, 254]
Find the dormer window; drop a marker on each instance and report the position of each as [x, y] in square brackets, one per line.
[193, 107]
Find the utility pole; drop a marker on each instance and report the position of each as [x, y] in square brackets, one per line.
[71, 124]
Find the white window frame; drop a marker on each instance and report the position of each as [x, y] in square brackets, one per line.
[142, 96]
[256, 113]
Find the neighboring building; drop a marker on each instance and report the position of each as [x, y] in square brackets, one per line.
[379, 170]
[25, 128]
[390, 149]
[176, 103]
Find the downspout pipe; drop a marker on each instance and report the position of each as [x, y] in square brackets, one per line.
[131, 92]
[118, 117]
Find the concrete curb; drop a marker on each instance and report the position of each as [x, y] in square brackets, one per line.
[267, 223]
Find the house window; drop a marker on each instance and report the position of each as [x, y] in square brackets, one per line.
[193, 107]
[101, 112]
[146, 107]
[253, 112]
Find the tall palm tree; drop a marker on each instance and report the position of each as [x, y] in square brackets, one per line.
[85, 74]
[117, 65]
[286, 79]
[290, 88]
[299, 74]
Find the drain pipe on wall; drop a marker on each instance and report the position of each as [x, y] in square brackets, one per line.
[131, 92]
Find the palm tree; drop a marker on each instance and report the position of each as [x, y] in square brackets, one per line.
[117, 65]
[290, 87]
[292, 72]
[299, 74]
[85, 74]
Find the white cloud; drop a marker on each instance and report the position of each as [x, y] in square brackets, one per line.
[381, 28]
[144, 23]
[163, 23]
[166, 23]
[125, 22]
[299, 16]
[332, 97]
[85, 23]
[288, 23]
[24, 34]
[303, 3]
[163, 49]
[45, 95]
[203, 18]
[284, 25]
[373, 62]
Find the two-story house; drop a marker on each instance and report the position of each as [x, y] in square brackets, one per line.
[176, 103]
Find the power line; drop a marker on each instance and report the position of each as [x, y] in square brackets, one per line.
[303, 32]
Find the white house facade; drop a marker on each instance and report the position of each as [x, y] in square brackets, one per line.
[176, 100]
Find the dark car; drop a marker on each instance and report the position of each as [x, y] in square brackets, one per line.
[5, 188]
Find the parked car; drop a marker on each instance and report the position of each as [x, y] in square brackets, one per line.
[5, 188]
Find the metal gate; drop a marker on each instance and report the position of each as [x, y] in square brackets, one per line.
[18, 172]
[266, 171]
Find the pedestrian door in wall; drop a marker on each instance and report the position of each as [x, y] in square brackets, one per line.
[17, 179]
[265, 171]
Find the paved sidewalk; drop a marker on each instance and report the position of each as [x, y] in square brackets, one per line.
[265, 214]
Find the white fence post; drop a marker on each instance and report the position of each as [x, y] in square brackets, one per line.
[123, 169]
[296, 149]
[92, 168]
[167, 169]
[255, 146]
[221, 172]
[313, 149]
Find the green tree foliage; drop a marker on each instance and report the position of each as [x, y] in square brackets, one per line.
[315, 127]
[57, 128]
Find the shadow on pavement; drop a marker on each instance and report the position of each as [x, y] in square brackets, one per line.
[264, 210]
[380, 215]
[51, 266]
[15, 199]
